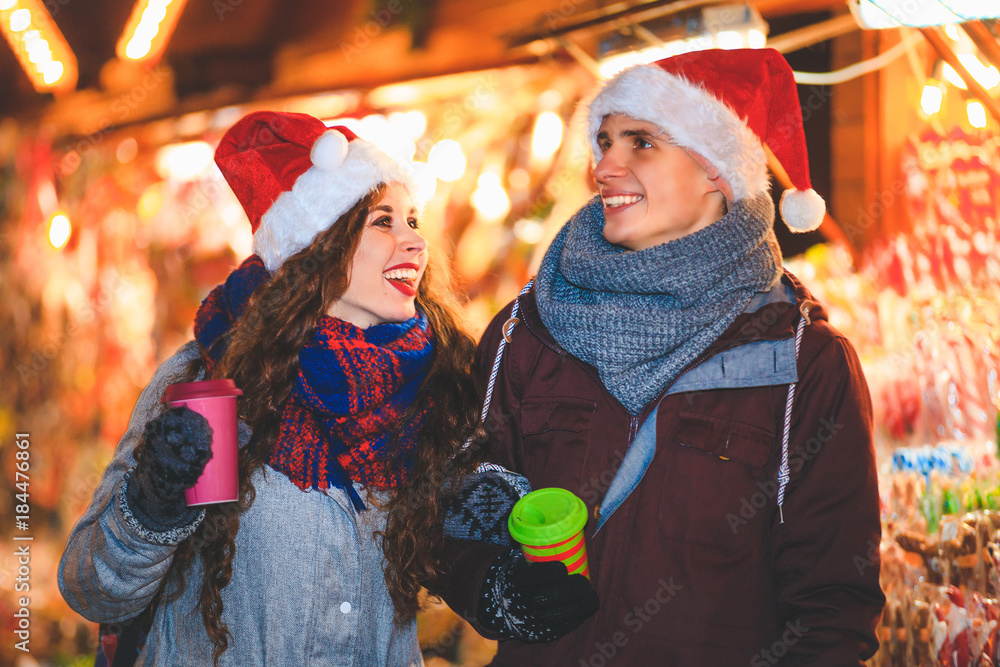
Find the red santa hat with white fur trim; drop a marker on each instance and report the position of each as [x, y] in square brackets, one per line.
[723, 106]
[295, 177]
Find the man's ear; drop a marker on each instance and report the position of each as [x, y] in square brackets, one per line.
[716, 182]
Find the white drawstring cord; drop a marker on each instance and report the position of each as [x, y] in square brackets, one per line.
[506, 330]
[783, 471]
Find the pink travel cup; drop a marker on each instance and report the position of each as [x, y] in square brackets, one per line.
[215, 400]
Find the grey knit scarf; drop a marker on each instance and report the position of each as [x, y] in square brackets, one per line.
[640, 317]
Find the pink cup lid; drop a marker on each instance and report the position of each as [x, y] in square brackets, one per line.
[187, 391]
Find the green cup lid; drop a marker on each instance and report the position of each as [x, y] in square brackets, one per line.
[547, 516]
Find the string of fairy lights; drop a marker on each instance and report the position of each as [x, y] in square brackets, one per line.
[47, 58]
[38, 44]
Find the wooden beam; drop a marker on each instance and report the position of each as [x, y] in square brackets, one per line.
[601, 18]
[622, 14]
[936, 37]
[818, 32]
[984, 41]
[774, 8]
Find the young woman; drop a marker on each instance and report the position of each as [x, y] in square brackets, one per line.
[666, 370]
[356, 396]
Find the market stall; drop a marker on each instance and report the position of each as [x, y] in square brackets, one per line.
[116, 223]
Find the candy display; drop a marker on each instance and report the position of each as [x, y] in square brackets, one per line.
[942, 584]
[923, 310]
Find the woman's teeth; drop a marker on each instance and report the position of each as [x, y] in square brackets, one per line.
[405, 275]
[621, 200]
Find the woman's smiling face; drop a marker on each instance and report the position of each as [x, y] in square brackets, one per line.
[387, 266]
[653, 191]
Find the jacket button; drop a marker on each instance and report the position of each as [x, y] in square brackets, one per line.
[345, 608]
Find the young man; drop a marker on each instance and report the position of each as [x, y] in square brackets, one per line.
[667, 370]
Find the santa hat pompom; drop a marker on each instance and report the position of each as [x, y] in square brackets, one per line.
[802, 210]
[329, 151]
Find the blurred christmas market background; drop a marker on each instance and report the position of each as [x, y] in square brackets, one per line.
[115, 223]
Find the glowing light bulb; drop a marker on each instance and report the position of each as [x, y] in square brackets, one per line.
[977, 114]
[185, 161]
[931, 98]
[153, 14]
[148, 29]
[52, 71]
[489, 198]
[756, 39]
[150, 202]
[20, 19]
[38, 51]
[529, 230]
[59, 230]
[987, 75]
[547, 135]
[137, 48]
[447, 160]
[730, 39]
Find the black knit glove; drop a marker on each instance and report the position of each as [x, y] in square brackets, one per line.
[533, 602]
[169, 459]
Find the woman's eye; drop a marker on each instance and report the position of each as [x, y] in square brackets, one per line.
[384, 221]
[412, 222]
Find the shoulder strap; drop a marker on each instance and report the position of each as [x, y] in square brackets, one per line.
[506, 330]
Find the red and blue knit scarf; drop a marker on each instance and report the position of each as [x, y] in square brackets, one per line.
[342, 422]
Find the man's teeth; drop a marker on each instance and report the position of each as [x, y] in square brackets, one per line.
[408, 275]
[621, 200]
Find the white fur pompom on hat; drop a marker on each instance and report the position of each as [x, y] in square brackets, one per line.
[729, 107]
[329, 151]
[802, 210]
[295, 177]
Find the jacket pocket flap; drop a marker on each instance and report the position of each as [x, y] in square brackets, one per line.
[726, 439]
[556, 414]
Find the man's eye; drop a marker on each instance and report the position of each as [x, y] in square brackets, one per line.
[642, 143]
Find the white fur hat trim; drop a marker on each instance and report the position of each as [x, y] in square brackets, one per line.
[694, 118]
[322, 194]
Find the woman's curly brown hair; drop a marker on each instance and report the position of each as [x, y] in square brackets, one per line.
[262, 358]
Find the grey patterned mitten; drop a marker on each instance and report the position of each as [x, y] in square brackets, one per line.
[478, 511]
